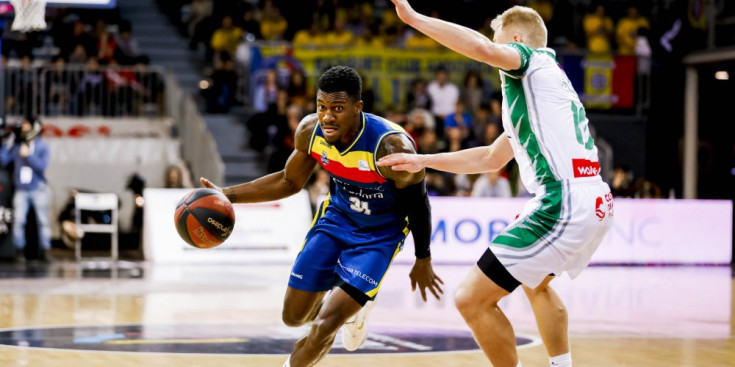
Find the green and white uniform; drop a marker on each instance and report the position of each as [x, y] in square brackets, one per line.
[561, 227]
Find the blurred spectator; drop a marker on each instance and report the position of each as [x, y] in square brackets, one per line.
[480, 122]
[439, 183]
[264, 125]
[368, 94]
[319, 187]
[627, 30]
[646, 189]
[59, 84]
[598, 28]
[418, 96]
[249, 24]
[323, 14]
[356, 21]
[198, 11]
[79, 37]
[458, 126]
[464, 184]
[420, 125]
[444, 95]
[266, 92]
[89, 94]
[371, 38]
[79, 56]
[643, 51]
[70, 232]
[492, 184]
[174, 178]
[221, 94]
[313, 36]
[491, 133]
[544, 8]
[227, 37]
[339, 36]
[30, 156]
[272, 24]
[621, 182]
[297, 91]
[127, 46]
[283, 140]
[473, 91]
[106, 47]
[418, 40]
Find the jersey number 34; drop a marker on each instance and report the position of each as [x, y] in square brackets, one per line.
[359, 205]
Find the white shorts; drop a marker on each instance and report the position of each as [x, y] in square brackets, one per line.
[558, 230]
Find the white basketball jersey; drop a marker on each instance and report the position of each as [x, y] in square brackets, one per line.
[545, 120]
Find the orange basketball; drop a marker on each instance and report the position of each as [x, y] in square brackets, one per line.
[204, 218]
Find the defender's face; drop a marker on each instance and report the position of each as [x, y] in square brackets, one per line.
[338, 115]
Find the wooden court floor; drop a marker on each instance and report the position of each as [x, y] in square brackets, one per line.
[148, 315]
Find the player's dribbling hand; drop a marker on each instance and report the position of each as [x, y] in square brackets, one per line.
[206, 183]
[402, 162]
[422, 275]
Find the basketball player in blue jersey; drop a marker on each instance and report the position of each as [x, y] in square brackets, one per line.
[358, 229]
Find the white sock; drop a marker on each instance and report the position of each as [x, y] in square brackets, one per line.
[564, 360]
[288, 362]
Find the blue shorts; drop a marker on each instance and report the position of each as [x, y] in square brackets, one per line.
[335, 251]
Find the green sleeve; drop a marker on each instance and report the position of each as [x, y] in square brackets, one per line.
[525, 53]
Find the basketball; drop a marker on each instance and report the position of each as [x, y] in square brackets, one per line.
[204, 218]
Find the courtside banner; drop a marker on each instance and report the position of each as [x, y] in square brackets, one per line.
[645, 231]
[264, 232]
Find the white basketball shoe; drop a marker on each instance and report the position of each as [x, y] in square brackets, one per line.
[354, 331]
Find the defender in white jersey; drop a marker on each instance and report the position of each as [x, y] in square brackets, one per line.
[546, 132]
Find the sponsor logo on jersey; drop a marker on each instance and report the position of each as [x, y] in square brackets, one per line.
[325, 159]
[585, 168]
[363, 165]
[598, 208]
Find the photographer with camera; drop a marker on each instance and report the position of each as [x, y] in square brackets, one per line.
[29, 155]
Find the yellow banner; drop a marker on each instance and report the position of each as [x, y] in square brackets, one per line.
[388, 71]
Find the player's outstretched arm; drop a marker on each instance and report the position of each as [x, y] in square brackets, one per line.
[461, 39]
[468, 161]
[413, 200]
[280, 184]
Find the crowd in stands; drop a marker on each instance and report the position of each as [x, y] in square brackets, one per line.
[439, 114]
[86, 63]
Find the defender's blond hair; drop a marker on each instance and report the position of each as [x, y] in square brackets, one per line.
[525, 21]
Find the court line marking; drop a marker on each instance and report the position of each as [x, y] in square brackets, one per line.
[535, 341]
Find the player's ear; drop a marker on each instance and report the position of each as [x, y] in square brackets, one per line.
[358, 107]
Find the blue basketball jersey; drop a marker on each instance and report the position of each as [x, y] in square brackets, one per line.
[358, 190]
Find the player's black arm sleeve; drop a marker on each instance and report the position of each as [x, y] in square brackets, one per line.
[414, 201]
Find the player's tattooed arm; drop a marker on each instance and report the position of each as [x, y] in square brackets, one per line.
[283, 183]
[413, 200]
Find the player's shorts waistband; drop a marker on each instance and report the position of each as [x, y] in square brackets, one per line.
[556, 185]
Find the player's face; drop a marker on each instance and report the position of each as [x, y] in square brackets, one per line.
[339, 116]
